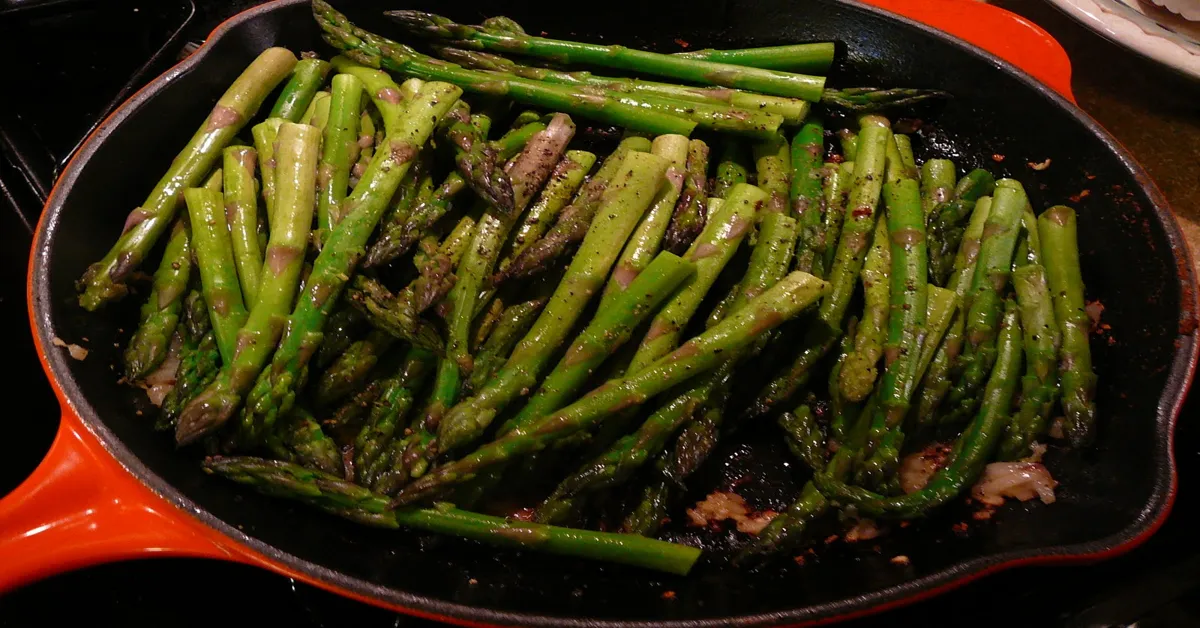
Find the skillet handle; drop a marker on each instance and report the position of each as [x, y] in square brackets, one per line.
[81, 508]
[996, 30]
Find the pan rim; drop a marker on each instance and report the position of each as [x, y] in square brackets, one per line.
[1142, 526]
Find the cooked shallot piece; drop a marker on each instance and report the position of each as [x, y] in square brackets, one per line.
[720, 506]
[159, 383]
[918, 467]
[863, 530]
[1020, 480]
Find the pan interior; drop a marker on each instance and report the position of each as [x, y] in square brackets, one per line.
[996, 120]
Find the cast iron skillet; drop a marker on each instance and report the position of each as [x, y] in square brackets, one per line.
[1111, 498]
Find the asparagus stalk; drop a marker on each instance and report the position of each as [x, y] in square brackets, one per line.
[646, 241]
[241, 210]
[1039, 386]
[608, 330]
[783, 301]
[564, 182]
[986, 293]
[199, 360]
[264, 134]
[938, 177]
[351, 369]
[296, 195]
[607, 107]
[861, 216]
[343, 327]
[384, 93]
[396, 238]
[104, 281]
[804, 436]
[307, 77]
[274, 392]
[312, 447]
[720, 109]
[858, 370]
[218, 272]
[529, 171]
[848, 140]
[514, 323]
[771, 159]
[974, 447]
[730, 169]
[689, 218]
[149, 345]
[625, 203]
[337, 148]
[806, 197]
[475, 159]
[396, 397]
[395, 314]
[348, 500]
[575, 220]
[836, 184]
[947, 222]
[1056, 226]
[907, 318]
[317, 113]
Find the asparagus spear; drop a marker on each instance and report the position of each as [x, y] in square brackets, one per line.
[771, 159]
[973, 449]
[476, 159]
[373, 50]
[274, 391]
[104, 281]
[343, 327]
[906, 320]
[345, 499]
[159, 316]
[858, 370]
[396, 397]
[947, 222]
[804, 436]
[395, 314]
[351, 368]
[815, 57]
[317, 113]
[384, 93]
[564, 182]
[241, 210]
[730, 169]
[720, 109]
[529, 171]
[264, 134]
[303, 436]
[836, 184]
[1039, 386]
[806, 197]
[396, 239]
[985, 295]
[514, 323]
[848, 140]
[199, 360]
[574, 220]
[689, 218]
[337, 148]
[608, 330]
[938, 177]
[646, 241]
[783, 301]
[218, 272]
[692, 70]
[307, 77]
[627, 200]
[1056, 226]
[296, 197]
[875, 135]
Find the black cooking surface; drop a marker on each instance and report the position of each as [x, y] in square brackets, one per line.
[72, 61]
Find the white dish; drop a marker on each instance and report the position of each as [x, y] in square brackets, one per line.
[1144, 27]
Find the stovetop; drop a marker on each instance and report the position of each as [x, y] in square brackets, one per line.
[69, 63]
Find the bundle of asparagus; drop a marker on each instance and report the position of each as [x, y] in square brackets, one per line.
[374, 384]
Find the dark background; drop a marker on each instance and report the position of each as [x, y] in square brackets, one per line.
[69, 60]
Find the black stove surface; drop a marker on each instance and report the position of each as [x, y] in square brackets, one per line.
[90, 55]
